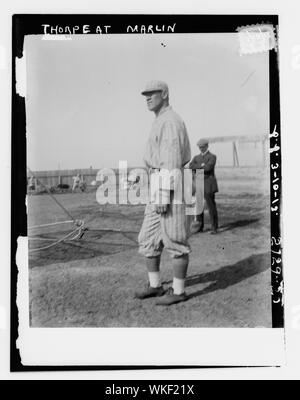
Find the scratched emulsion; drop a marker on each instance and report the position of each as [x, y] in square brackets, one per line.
[22, 296]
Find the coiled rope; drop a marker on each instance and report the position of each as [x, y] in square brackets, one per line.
[78, 231]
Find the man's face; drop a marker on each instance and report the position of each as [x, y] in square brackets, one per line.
[155, 100]
[203, 148]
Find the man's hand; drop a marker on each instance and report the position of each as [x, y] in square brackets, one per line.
[161, 208]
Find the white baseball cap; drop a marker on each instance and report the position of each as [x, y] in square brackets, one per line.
[154, 86]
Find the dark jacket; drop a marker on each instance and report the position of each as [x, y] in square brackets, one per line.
[209, 161]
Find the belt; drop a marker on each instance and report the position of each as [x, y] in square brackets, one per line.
[153, 170]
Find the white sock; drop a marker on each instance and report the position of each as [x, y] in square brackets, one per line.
[154, 279]
[178, 285]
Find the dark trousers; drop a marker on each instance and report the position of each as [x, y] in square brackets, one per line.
[212, 209]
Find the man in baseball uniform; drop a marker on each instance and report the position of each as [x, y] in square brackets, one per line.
[206, 161]
[76, 181]
[164, 225]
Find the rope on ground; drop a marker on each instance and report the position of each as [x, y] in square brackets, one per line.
[50, 194]
[52, 223]
[78, 232]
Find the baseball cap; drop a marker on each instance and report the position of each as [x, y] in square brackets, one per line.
[202, 142]
[154, 86]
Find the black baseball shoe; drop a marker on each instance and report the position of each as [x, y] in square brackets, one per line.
[149, 292]
[170, 298]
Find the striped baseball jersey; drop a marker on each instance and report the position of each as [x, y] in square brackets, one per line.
[168, 147]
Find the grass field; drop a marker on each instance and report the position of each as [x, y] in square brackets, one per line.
[91, 282]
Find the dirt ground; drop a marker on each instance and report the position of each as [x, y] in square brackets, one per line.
[91, 282]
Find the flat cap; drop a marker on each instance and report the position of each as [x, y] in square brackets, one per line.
[154, 86]
[202, 142]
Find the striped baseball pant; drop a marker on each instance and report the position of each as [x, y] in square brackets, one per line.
[168, 230]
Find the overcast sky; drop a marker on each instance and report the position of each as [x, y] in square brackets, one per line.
[84, 107]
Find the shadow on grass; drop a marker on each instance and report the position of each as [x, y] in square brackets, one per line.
[92, 245]
[230, 274]
[238, 224]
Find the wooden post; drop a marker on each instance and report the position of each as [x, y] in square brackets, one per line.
[235, 156]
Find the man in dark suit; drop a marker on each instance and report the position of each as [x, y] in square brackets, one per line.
[206, 161]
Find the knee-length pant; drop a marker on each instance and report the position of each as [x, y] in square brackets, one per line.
[168, 230]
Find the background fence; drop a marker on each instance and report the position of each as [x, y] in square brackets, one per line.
[58, 177]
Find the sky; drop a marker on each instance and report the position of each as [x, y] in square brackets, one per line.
[84, 106]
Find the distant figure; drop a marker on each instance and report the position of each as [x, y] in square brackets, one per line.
[31, 184]
[82, 184]
[132, 181]
[206, 161]
[136, 182]
[76, 181]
